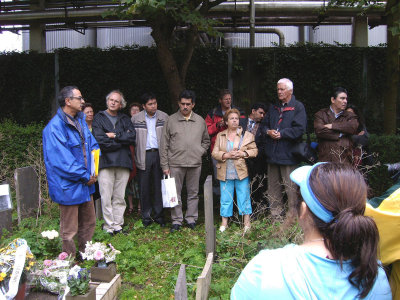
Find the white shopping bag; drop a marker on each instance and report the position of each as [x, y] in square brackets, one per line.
[168, 190]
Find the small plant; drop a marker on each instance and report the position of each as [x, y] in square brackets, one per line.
[100, 252]
[78, 281]
[50, 244]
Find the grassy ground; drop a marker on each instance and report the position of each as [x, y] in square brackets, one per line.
[151, 257]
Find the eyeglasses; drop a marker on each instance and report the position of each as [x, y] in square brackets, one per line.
[114, 101]
[80, 98]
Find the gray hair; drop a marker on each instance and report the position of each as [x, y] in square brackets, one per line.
[66, 92]
[287, 82]
[123, 102]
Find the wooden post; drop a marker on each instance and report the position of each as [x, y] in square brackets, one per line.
[204, 280]
[209, 215]
[181, 287]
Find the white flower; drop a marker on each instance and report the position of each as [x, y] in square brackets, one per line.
[50, 234]
[74, 271]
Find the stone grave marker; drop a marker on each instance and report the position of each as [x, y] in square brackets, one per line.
[5, 208]
[27, 192]
[209, 215]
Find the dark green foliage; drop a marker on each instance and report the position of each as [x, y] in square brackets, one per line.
[315, 71]
[27, 80]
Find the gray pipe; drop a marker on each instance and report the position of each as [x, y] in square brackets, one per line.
[257, 30]
[252, 23]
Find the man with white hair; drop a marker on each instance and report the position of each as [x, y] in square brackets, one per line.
[281, 129]
[114, 132]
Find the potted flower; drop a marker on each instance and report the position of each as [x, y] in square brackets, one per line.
[78, 285]
[104, 255]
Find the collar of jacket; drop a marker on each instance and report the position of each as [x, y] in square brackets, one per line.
[182, 118]
[239, 131]
[291, 102]
[141, 116]
[63, 116]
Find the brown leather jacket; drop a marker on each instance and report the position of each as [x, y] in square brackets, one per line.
[335, 145]
[248, 145]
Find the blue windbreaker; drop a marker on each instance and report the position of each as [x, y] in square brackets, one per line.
[67, 174]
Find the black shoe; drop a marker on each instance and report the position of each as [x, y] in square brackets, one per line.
[162, 225]
[175, 227]
[111, 233]
[160, 222]
[191, 225]
[147, 223]
[119, 232]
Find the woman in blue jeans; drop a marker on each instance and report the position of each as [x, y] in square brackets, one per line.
[232, 148]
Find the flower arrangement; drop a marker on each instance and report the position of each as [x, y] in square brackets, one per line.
[100, 252]
[16, 262]
[52, 274]
[78, 281]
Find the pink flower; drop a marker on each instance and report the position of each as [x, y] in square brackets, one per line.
[48, 262]
[98, 255]
[63, 255]
[46, 272]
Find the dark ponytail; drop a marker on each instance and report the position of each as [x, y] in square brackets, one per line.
[350, 235]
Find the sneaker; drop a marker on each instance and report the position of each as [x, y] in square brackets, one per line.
[222, 228]
[175, 227]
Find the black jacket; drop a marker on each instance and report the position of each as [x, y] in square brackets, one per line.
[114, 151]
[292, 128]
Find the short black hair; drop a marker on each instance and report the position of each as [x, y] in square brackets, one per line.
[66, 92]
[188, 94]
[337, 91]
[224, 92]
[259, 105]
[146, 97]
[135, 104]
[87, 104]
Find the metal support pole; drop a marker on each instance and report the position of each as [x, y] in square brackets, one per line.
[252, 23]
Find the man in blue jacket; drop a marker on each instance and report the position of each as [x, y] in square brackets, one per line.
[67, 146]
[282, 129]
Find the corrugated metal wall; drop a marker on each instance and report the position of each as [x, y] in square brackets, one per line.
[108, 37]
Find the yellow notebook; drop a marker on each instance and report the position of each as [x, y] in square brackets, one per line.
[95, 162]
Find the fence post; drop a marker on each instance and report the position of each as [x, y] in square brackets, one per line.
[181, 287]
[204, 280]
[209, 216]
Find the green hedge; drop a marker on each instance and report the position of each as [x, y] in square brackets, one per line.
[27, 80]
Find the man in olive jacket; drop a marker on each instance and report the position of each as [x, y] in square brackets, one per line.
[184, 141]
[114, 132]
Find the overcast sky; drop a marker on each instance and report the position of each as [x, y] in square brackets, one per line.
[10, 41]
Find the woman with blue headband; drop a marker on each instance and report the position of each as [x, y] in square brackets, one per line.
[338, 258]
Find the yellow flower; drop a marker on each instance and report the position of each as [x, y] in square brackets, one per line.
[2, 276]
[31, 263]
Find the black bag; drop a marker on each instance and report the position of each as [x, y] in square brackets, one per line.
[304, 152]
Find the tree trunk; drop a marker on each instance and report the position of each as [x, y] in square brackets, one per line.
[392, 72]
[168, 64]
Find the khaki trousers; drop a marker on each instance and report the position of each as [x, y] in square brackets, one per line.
[112, 183]
[76, 219]
[192, 187]
[278, 183]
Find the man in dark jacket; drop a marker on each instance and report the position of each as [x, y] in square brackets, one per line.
[281, 129]
[67, 146]
[114, 132]
[334, 127]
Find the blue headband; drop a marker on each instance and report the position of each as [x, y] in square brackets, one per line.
[301, 176]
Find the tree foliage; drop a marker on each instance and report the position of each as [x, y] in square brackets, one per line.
[165, 17]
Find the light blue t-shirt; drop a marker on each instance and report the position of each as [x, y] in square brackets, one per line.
[292, 272]
[151, 142]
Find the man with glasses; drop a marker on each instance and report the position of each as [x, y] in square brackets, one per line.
[184, 141]
[114, 132]
[67, 146]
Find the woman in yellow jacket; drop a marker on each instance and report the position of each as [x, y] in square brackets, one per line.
[232, 147]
